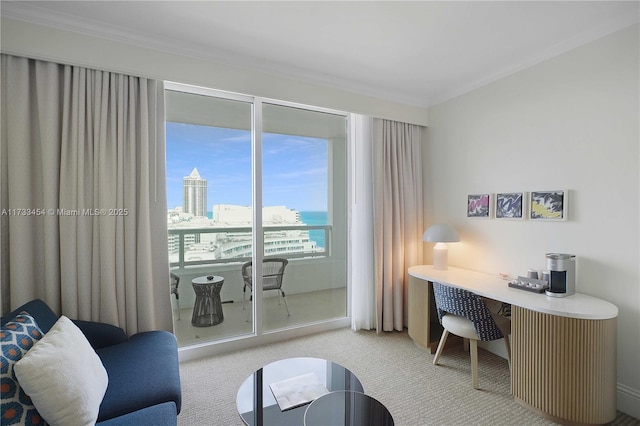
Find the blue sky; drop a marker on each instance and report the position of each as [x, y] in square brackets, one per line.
[294, 168]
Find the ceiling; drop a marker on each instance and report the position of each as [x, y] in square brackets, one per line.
[420, 52]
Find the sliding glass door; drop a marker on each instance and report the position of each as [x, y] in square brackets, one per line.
[304, 201]
[226, 154]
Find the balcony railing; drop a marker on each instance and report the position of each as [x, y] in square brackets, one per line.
[241, 235]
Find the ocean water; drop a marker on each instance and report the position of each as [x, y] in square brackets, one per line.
[315, 218]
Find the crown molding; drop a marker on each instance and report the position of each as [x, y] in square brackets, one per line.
[22, 11]
[582, 39]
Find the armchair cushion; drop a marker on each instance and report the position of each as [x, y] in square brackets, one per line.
[148, 374]
[63, 376]
[39, 310]
[98, 334]
[157, 415]
[17, 337]
[101, 335]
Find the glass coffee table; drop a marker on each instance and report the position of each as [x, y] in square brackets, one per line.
[257, 404]
[347, 408]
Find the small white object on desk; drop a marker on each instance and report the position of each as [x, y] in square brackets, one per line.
[529, 284]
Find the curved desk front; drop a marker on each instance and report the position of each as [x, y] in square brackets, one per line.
[563, 355]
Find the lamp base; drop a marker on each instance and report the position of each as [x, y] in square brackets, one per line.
[440, 256]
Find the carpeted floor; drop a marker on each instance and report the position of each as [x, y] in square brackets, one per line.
[391, 368]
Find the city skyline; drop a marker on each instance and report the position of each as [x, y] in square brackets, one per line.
[294, 167]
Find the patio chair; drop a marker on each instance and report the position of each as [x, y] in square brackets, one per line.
[272, 276]
[175, 282]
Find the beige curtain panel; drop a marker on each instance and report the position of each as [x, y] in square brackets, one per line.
[397, 217]
[83, 199]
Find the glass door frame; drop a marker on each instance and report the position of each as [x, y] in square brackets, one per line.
[258, 336]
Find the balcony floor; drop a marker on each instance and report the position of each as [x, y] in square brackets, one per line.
[305, 308]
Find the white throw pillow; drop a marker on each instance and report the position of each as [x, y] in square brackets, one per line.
[64, 376]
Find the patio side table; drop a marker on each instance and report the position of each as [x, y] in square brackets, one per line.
[207, 310]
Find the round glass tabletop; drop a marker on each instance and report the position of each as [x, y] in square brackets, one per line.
[297, 381]
[347, 408]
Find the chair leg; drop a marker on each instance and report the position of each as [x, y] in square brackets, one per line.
[250, 300]
[474, 363]
[507, 345]
[443, 339]
[244, 289]
[285, 303]
[178, 304]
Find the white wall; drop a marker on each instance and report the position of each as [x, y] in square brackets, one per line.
[571, 122]
[40, 42]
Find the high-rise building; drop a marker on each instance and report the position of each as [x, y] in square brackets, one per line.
[194, 194]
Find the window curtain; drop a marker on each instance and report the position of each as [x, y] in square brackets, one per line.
[397, 217]
[363, 303]
[83, 194]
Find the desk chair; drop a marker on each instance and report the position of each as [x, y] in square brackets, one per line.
[465, 314]
[272, 275]
[175, 282]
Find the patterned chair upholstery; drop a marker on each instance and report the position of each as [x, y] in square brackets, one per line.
[465, 314]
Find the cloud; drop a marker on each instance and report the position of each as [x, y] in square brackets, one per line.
[239, 138]
[296, 174]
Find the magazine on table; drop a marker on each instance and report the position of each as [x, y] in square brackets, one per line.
[297, 391]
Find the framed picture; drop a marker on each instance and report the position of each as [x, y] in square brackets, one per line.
[479, 206]
[510, 205]
[548, 205]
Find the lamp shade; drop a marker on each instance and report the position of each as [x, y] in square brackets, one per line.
[440, 233]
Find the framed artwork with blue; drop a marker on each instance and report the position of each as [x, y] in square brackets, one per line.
[510, 205]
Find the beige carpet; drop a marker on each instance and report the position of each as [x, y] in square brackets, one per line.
[390, 366]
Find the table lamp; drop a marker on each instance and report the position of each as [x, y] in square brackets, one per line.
[440, 234]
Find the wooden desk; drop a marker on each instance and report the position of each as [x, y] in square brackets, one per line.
[563, 355]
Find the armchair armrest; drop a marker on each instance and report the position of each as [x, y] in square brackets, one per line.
[101, 335]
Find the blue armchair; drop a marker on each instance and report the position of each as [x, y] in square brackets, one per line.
[144, 377]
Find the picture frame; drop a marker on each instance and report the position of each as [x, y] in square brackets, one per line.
[479, 206]
[549, 205]
[510, 205]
